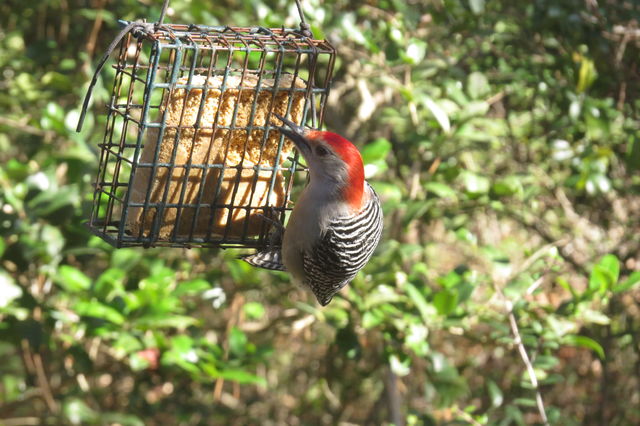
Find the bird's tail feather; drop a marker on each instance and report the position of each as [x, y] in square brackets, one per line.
[268, 259]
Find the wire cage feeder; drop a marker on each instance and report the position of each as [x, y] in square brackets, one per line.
[191, 154]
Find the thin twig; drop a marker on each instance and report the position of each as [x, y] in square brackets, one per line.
[394, 399]
[26, 128]
[525, 358]
[43, 383]
[537, 255]
[95, 30]
[513, 323]
[21, 421]
[466, 416]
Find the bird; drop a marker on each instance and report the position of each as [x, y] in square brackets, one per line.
[336, 223]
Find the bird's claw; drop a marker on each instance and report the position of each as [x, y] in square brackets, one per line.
[275, 237]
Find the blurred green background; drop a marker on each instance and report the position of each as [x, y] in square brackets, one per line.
[503, 139]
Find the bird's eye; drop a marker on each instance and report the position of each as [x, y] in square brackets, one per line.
[321, 151]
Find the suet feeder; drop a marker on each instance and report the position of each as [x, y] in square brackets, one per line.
[191, 154]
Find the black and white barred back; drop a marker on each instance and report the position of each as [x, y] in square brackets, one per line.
[343, 250]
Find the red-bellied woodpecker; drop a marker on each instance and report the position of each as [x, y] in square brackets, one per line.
[336, 222]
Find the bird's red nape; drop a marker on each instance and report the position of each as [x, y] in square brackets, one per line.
[354, 190]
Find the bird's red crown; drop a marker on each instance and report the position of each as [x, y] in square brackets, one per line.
[354, 190]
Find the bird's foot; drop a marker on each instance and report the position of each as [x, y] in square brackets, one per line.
[275, 237]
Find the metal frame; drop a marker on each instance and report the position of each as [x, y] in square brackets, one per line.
[147, 72]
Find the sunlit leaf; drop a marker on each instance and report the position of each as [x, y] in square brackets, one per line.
[415, 51]
[629, 283]
[420, 302]
[445, 301]
[475, 184]
[72, 279]
[78, 412]
[438, 113]
[477, 6]
[237, 341]
[585, 342]
[441, 190]
[495, 393]
[477, 85]
[254, 310]
[375, 151]
[96, 309]
[587, 74]
[8, 289]
[242, 377]
[401, 368]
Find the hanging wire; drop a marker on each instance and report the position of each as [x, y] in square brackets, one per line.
[139, 27]
[305, 29]
[136, 27]
[163, 12]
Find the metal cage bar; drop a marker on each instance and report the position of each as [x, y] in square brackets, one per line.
[190, 156]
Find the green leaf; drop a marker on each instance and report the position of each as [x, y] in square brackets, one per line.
[99, 310]
[585, 342]
[598, 280]
[190, 287]
[438, 113]
[415, 52]
[47, 202]
[441, 190]
[372, 318]
[419, 301]
[400, 367]
[611, 265]
[254, 310]
[120, 419]
[495, 393]
[587, 74]
[126, 344]
[477, 85]
[388, 191]
[157, 322]
[242, 377]
[9, 291]
[72, 279]
[138, 363]
[182, 344]
[593, 316]
[125, 259]
[565, 284]
[604, 274]
[375, 151]
[445, 301]
[508, 186]
[629, 283]
[109, 284]
[475, 184]
[450, 280]
[78, 412]
[237, 342]
[477, 6]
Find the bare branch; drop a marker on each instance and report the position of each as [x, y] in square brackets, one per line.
[525, 359]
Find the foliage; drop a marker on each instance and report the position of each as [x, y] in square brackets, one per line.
[503, 140]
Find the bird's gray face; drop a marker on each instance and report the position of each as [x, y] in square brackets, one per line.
[324, 163]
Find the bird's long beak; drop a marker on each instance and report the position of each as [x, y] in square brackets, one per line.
[295, 133]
